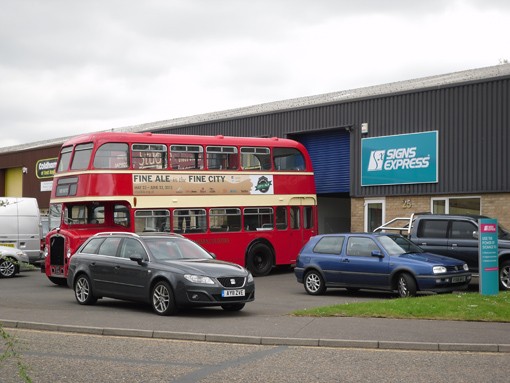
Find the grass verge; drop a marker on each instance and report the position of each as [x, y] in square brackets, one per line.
[458, 306]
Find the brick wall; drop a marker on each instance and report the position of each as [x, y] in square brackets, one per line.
[492, 205]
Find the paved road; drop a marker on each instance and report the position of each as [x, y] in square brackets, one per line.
[63, 357]
[32, 298]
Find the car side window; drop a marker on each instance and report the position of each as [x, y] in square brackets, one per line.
[130, 247]
[433, 228]
[329, 245]
[110, 246]
[462, 230]
[361, 246]
[92, 246]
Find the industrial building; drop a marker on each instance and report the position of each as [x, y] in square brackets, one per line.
[434, 144]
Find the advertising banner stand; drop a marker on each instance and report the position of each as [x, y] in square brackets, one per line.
[488, 256]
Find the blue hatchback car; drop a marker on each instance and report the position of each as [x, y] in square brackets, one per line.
[377, 261]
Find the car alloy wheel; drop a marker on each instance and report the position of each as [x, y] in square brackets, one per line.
[7, 268]
[163, 299]
[314, 283]
[406, 286]
[504, 276]
[83, 291]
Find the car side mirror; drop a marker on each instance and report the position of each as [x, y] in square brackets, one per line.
[138, 258]
[213, 255]
[377, 253]
[475, 234]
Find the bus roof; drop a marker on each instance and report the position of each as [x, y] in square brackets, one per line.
[153, 138]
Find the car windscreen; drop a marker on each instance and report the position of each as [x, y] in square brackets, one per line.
[503, 233]
[396, 245]
[165, 249]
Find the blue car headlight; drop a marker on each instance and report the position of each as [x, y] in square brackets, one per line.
[465, 267]
[439, 269]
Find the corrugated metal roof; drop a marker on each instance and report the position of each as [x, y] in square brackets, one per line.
[439, 81]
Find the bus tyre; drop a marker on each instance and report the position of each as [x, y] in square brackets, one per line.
[58, 281]
[259, 260]
[406, 286]
[83, 291]
[504, 276]
[8, 268]
[162, 299]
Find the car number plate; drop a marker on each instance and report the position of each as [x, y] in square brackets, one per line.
[233, 293]
[458, 279]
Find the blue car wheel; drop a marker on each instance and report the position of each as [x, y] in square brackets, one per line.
[314, 283]
[406, 286]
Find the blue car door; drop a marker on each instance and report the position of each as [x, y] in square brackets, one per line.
[327, 256]
[360, 267]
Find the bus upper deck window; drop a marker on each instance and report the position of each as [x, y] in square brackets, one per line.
[222, 157]
[255, 158]
[149, 156]
[81, 158]
[65, 159]
[288, 159]
[112, 156]
[183, 157]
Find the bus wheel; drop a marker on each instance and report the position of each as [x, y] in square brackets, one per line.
[259, 260]
[58, 281]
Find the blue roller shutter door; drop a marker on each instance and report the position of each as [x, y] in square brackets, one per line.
[330, 154]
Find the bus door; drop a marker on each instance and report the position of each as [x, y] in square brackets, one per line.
[302, 223]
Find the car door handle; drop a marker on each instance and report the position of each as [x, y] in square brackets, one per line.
[454, 245]
[92, 264]
[117, 267]
[345, 260]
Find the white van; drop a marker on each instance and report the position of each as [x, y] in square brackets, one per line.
[20, 226]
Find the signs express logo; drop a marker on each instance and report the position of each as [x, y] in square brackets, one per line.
[376, 160]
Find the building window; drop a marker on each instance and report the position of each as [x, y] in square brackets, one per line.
[456, 205]
[374, 214]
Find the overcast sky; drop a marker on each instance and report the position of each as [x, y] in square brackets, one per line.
[70, 67]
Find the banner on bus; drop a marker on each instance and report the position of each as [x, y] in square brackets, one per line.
[201, 184]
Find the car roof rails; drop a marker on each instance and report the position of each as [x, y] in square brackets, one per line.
[161, 234]
[110, 233]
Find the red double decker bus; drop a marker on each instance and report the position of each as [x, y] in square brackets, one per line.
[247, 200]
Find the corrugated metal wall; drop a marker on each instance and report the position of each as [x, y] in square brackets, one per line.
[472, 120]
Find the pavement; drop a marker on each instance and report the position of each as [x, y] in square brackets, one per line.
[368, 333]
[263, 322]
